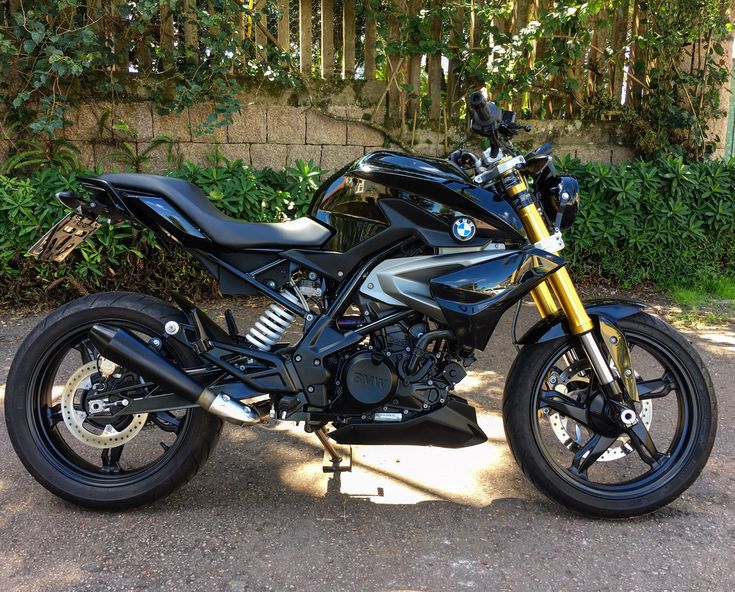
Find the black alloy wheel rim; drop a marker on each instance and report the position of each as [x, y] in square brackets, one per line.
[678, 451]
[55, 449]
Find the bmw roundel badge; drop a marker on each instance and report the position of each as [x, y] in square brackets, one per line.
[463, 229]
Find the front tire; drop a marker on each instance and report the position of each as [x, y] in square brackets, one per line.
[40, 433]
[619, 484]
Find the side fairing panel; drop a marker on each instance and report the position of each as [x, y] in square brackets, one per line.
[474, 298]
[405, 281]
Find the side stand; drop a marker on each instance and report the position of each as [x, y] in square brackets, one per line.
[336, 458]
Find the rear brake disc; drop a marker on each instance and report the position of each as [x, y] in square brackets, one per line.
[76, 418]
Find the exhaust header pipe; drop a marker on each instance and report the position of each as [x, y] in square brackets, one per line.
[125, 349]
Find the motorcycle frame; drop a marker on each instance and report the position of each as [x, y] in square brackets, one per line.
[294, 368]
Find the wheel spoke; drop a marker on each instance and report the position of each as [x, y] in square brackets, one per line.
[656, 388]
[88, 351]
[167, 421]
[111, 459]
[641, 440]
[589, 453]
[52, 415]
[565, 405]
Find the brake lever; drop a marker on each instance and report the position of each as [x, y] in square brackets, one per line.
[512, 129]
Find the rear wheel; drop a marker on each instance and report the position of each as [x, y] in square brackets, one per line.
[621, 474]
[89, 459]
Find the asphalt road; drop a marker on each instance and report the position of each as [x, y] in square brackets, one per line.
[262, 515]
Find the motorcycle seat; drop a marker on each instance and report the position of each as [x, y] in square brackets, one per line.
[224, 231]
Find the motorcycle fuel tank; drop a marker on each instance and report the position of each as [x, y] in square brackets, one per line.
[349, 200]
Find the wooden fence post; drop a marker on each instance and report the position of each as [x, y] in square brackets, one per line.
[167, 36]
[284, 36]
[395, 63]
[436, 74]
[414, 70]
[348, 39]
[327, 38]
[370, 39]
[191, 32]
[454, 91]
[618, 37]
[596, 61]
[305, 40]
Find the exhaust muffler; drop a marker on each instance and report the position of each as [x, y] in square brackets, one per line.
[125, 349]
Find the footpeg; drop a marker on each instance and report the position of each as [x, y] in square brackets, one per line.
[337, 458]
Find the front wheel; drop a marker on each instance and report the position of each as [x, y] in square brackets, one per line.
[613, 475]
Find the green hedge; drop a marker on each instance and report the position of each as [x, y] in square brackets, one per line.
[659, 221]
[663, 221]
[124, 256]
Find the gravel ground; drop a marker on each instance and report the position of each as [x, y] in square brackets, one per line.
[262, 515]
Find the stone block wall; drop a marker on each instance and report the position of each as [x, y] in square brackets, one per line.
[274, 130]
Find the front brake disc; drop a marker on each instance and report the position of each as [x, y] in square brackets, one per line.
[578, 372]
[76, 418]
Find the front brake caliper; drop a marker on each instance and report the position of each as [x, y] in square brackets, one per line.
[617, 346]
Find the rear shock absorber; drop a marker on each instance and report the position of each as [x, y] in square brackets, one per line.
[272, 324]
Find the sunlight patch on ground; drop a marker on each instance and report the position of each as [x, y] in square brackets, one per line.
[410, 474]
[2, 393]
[724, 340]
[478, 380]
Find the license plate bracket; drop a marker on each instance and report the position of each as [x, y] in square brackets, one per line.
[65, 236]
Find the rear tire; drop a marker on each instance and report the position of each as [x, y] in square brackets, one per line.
[40, 452]
[662, 484]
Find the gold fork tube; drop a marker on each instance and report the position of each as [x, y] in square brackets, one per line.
[544, 300]
[560, 282]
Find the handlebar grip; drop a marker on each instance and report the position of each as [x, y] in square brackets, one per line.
[480, 107]
[487, 114]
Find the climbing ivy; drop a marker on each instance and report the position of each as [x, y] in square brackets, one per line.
[657, 65]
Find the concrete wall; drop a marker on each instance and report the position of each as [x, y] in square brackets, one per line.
[276, 128]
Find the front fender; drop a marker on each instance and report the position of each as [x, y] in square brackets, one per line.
[555, 326]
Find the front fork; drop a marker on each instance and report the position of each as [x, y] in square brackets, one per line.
[561, 285]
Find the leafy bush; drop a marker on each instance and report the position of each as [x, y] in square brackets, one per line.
[124, 256]
[662, 221]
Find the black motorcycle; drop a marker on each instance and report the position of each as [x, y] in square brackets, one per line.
[401, 270]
